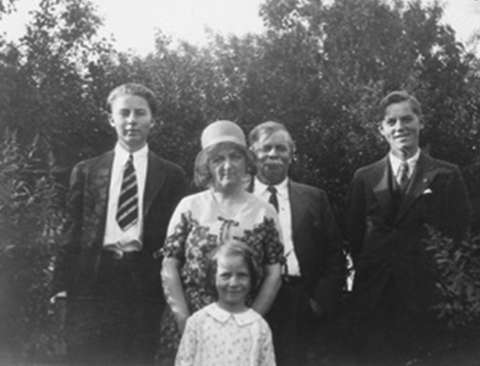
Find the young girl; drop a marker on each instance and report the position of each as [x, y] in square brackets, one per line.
[228, 332]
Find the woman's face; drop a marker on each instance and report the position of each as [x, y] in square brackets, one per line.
[227, 166]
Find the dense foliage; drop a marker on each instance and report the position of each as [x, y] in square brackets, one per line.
[458, 290]
[318, 68]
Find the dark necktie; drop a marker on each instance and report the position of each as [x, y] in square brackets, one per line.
[273, 197]
[402, 175]
[127, 211]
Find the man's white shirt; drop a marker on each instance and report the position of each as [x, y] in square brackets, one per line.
[285, 218]
[114, 235]
[395, 163]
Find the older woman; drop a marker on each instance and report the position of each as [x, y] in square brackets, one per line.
[203, 221]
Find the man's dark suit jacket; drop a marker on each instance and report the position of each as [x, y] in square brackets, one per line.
[386, 234]
[78, 261]
[317, 244]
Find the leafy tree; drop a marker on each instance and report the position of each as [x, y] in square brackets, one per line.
[358, 51]
[320, 68]
[50, 76]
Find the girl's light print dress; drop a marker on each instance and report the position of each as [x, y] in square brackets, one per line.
[215, 337]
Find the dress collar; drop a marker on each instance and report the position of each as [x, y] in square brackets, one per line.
[221, 315]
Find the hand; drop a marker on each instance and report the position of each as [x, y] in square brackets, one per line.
[181, 322]
[59, 295]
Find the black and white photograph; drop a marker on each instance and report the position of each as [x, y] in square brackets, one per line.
[240, 183]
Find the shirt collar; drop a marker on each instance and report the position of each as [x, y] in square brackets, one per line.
[221, 315]
[282, 187]
[395, 161]
[123, 154]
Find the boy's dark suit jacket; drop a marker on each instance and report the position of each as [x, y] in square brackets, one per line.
[317, 244]
[79, 258]
[386, 234]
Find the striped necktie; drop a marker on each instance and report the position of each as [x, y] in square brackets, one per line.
[273, 199]
[127, 211]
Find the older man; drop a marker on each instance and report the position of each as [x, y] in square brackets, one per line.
[314, 269]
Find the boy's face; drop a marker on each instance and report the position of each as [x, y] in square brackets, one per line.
[401, 129]
[132, 119]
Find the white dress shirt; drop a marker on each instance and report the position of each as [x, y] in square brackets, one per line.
[115, 238]
[285, 218]
[395, 163]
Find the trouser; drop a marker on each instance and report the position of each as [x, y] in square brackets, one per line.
[119, 323]
[292, 323]
[390, 333]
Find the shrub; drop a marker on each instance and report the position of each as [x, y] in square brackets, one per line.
[31, 220]
[458, 280]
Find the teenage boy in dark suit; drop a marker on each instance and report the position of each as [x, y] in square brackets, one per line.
[119, 206]
[391, 202]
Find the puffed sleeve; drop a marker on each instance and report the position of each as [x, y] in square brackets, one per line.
[266, 355]
[188, 344]
[177, 232]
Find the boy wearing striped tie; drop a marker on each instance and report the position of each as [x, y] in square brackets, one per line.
[119, 205]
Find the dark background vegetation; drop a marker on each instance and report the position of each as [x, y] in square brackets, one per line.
[320, 69]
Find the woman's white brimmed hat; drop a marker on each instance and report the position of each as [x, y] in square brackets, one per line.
[222, 131]
[219, 132]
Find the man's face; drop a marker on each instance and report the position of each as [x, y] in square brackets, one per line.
[132, 119]
[401, 129]
[274, 155]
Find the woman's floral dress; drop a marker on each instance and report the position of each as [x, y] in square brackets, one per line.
[196, 228]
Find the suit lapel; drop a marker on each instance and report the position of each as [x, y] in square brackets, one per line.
[297, 205]
[99, 190]
[381, 186]
[154, 181]
[421, 179]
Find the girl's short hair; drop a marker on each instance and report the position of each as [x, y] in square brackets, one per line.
[201, 173]
[234, 248]
[138, 90]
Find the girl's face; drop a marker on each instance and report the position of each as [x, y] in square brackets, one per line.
[232, 282]
[227, 167]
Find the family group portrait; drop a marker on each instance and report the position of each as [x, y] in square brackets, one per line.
[300, 189]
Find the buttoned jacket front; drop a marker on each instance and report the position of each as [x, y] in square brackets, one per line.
[385, 234]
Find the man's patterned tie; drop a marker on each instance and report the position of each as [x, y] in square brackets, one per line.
[127, 211]
[273, 197]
